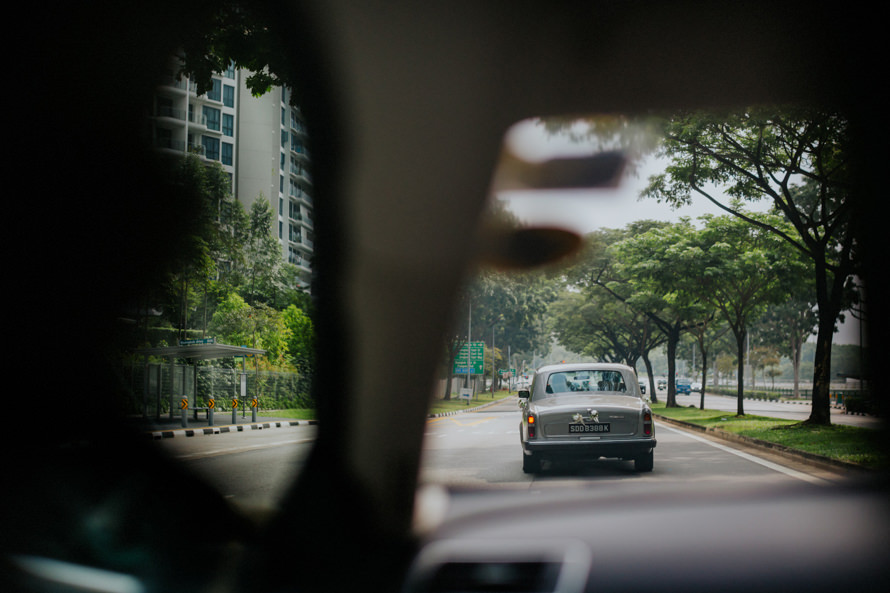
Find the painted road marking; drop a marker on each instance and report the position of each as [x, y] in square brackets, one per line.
[773, 466]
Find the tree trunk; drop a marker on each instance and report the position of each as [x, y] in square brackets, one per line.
[740, 347]
[673, 340]
[653, 397]
[821, 408]
[704, 378]
[455, 348]
[796, 347]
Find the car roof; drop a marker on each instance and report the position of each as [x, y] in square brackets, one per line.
[585, 366]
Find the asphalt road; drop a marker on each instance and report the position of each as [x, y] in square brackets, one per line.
[252, 468]
[481, 449]
[478, 451]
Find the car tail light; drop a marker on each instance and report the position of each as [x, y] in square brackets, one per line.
[532, 426]
[647, 422]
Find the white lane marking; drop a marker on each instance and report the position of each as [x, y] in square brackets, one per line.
[768, 464]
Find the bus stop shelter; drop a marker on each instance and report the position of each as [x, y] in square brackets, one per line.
[192, 352]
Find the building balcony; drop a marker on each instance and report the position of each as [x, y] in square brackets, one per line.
[169, 144]
[302, 196]
[300, 174]
[171, 113]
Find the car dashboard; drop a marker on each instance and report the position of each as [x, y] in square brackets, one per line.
[801, 538]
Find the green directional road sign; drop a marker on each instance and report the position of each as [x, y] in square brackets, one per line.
[470, 359]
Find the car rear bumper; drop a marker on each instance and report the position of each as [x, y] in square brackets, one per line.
[621, 448]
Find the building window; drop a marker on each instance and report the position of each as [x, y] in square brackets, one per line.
[227, 153]
[214, 94]
[211, 118]
[228, 124]
[211, 147]
[228, 95]
[230, 71]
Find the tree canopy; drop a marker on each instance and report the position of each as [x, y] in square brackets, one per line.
[800, 160]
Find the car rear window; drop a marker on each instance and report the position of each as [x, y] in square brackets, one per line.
[570, 381]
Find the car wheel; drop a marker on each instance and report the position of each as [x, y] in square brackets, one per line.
[530, 464]
[645, 462]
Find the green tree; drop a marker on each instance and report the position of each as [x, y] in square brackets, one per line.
[237, 322]
[799, 160]
[195, 278]
[706, 333]
[511, 306]
[231, 321]
[742, 269]
[300, 338]
[789, 324]
[237, 33]
[262, 254]
[651, 272]
[599, 326]
[591, 272]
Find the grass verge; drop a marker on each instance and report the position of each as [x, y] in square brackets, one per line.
[296, 413]
[851, 444]
[437, 407]
[456, 404]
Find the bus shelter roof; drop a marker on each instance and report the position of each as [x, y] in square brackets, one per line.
[200, 351]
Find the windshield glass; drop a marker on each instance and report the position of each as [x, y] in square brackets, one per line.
[689, 275]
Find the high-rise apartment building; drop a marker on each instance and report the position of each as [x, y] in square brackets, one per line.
[259, 141]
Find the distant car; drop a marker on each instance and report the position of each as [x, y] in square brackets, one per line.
[643, 387]
[610, 419]
[580, 382]
[696, 387]
[684, 387]
[662, 385]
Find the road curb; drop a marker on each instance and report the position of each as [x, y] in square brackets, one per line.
[473, 409]
[795, 454]
[167, 433]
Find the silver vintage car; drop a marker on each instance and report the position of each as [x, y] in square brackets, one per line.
[584, 411]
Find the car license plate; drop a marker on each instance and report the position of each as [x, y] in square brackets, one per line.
[588, 428]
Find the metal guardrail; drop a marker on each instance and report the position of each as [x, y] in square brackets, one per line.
[837, 395]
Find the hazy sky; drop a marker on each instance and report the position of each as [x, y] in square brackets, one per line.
[588, 210]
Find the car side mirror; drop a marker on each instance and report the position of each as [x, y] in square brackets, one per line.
[523, 394]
